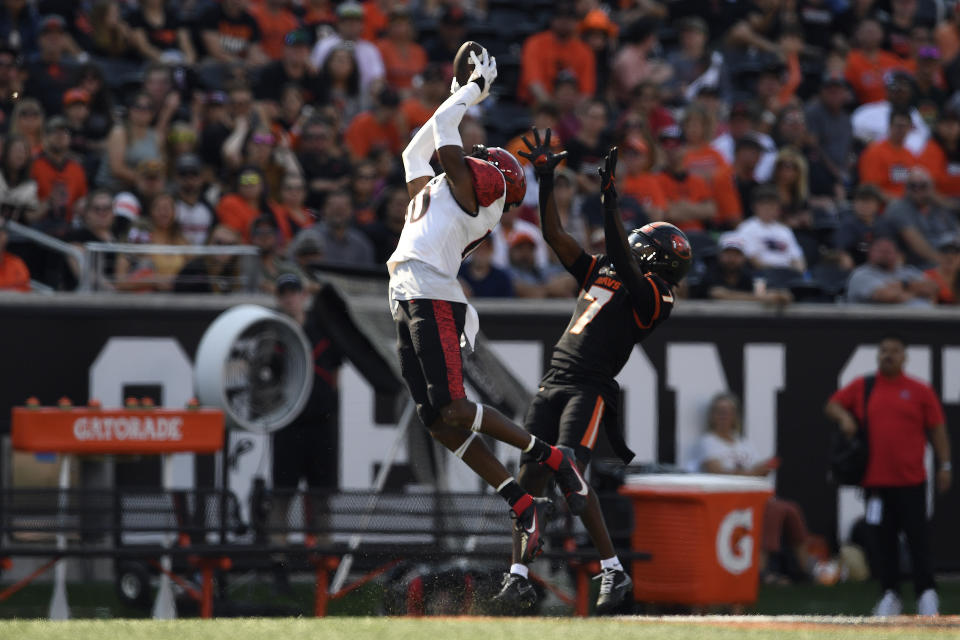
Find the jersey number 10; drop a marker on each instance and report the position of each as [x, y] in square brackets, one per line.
[598, 297]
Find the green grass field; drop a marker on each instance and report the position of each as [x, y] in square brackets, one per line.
[445, 628]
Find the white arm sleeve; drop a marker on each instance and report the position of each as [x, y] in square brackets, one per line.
[416, 157]
[446, 121]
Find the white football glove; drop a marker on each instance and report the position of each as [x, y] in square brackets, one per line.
[484, 67]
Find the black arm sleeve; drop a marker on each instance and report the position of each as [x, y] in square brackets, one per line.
[582, 267]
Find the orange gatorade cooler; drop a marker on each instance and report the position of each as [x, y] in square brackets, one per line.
[703, 531]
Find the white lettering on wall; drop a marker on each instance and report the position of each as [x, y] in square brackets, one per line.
[764, 367]
[640, 418]
[694, 374]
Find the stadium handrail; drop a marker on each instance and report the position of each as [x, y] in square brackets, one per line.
[49, 242]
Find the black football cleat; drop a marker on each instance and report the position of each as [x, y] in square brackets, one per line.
[614, 587]
[571, 483]
[531, 524]
[517, 594]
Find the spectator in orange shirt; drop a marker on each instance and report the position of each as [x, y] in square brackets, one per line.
[690, 205]
[275, 21]
[887, 163]
[14, 274]
[547, 53]
[701, 158]
[60, 180]
[375, 128]
[947, 273]
[376, 17]
[402, 56]
[638, 182]
[941, 156]
[544, 117]
[239, 209]
[433, 90]
[867, 64]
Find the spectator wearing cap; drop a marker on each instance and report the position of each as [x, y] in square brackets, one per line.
[929, 86]
[947, 273]
[130, 143]
[451, 32]
[10, 82]
[867, 63]
[276, 21]
[829, 124]
[14, 275]
[746, 156]
[599, 32]
[941, 156]
[219, 115]
[637, 179]
[231, 35]
[87, 135]
[690, 203]
[547, 53]
[730, 277]
[767, 242]
[18, 189]
[20, 25]
[886, 163]
[403, 58]
[342, 243]
[245, 204]
[871, 122]
[530, 280]
[884, 279]
[49, 72]
[215, 273]
[325, 166]
[744, 120]
[918, 221]
[27, 121]
[631, 64]
[265, 236]
[193, 212]
[159, 35]
[858, 226]
[61, 180]
[349, 31]
[377, 128]
[293, 67]
[289, 210]
[128, 206]
[480, 278]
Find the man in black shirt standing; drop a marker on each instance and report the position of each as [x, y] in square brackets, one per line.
[624, 296]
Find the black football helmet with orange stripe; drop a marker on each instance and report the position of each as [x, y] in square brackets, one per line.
[663, 249]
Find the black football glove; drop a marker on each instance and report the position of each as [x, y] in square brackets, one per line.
[608, 180]
[543, 159]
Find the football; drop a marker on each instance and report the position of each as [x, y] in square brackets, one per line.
[462, 65]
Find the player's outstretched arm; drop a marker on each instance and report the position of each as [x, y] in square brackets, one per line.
[446, 129]
[416, 159]
[641, 289]
[544, 162]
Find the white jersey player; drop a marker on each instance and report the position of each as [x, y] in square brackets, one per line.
[448, 216]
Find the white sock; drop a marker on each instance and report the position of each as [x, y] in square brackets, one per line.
[533, 441]
[520, 570]
[611, 563]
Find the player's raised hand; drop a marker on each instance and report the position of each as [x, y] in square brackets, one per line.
[484, 72]
[540, 155]
[608, 179]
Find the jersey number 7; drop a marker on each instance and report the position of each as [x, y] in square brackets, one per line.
[598, 297]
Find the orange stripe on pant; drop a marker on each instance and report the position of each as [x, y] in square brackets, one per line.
[590, 437]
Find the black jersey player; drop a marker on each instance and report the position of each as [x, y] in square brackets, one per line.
[625, 294]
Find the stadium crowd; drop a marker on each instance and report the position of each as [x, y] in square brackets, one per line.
[809, 148]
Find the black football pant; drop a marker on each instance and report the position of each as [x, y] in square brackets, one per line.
[904, 509]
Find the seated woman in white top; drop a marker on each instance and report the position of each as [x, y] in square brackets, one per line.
[722, 449]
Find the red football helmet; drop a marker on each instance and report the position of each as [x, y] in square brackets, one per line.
[512, 173]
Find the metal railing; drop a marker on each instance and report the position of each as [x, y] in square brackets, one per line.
[94, 278]
[69, 251]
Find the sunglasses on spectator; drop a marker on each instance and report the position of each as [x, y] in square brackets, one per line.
[263, 138]
[918, 186]
[249, 179]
